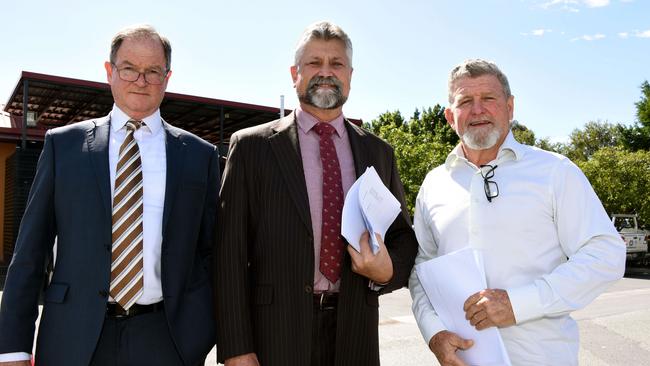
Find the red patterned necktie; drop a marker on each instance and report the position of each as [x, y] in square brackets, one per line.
[331, 248]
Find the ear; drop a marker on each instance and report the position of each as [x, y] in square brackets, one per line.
[294, 75]
[109, 71]
[449, 116]
[511, 107]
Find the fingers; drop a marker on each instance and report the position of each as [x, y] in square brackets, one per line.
[473, 299]
[444, 346]
[488, 308]
[364, 244]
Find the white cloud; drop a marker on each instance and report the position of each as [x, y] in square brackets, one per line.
[540, 32]
[596, 3]
[588, 37]
[624, 35]
[643, 34]
[572, 5]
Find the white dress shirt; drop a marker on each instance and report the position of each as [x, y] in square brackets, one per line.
[151, 141]
[545, 239]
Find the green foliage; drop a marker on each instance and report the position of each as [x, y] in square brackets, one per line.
[643, 106]
[522, 133]
[420, 144]
[637, 136]
[621, 179]
[583, 143]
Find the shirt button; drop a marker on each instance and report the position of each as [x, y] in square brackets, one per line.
[308, 289]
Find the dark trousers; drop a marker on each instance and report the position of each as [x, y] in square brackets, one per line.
[323, 343]
[138, 340]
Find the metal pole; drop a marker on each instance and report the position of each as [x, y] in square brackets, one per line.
[221, 130]
[281, 106]
[25, 110]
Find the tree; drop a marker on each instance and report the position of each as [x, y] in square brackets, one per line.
[621, 180]
[595, 135]
[522, 133]
[421, 143]
[637, 136]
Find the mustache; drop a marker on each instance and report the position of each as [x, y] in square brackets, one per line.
[324, 80]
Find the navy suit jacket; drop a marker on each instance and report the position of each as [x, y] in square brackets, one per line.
[71, 199]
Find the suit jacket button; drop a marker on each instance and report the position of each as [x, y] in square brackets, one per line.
[308, 289]
[103, 293]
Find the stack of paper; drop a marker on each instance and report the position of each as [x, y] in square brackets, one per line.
[448, 281]
[369, 206]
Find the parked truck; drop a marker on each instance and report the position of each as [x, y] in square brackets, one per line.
[635, 238]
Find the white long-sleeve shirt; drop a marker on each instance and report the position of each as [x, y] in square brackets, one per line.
[546, 240]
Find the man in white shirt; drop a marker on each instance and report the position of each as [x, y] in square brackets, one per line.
[548, 246]
[131, 201]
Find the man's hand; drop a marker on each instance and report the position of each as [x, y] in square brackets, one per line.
[249, 359]
[444, 345]
[489, 308]
[379, 267]
[16, 363]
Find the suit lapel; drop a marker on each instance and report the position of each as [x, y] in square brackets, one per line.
[357, 144]
[97, 139]
[286, 148]
[175, 151]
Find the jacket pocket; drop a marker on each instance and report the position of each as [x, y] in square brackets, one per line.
[56, 293]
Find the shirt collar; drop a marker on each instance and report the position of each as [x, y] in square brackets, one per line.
[118, 120]
[306, 122]
[510, 149]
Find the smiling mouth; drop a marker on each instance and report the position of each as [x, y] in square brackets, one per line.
[479, 123]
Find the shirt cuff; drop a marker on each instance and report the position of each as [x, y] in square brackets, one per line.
[430, 326]
[525, 302]
[15, 356]
[374, 286]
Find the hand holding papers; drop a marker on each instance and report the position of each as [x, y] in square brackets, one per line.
[448, 281]
[369, 206]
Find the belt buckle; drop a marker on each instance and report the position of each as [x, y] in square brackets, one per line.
[320, 300]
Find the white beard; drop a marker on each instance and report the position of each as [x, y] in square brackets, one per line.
[475, 140]
[325, 99]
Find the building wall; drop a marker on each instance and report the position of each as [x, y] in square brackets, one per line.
[6, 149]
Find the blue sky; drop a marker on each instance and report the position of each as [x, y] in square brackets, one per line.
[568, 61]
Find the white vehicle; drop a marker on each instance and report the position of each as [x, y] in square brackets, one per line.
[634, 238]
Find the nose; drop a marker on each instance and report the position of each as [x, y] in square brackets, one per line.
[325, 70]
[140, 81]
[477, 106]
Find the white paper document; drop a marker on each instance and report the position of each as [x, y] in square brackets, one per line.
[448, 281]
[369, 206]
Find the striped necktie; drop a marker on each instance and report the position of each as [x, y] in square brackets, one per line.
[126, 268]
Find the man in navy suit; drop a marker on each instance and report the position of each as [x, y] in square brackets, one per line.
[167, 317]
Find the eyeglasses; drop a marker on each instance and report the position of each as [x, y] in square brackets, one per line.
[491, 188]
[153, 77]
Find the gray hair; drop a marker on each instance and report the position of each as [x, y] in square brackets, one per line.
[143, 31]
[325, 31]
[474, 68]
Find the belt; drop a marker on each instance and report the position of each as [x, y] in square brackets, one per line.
[115, 310]
[326, 301]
